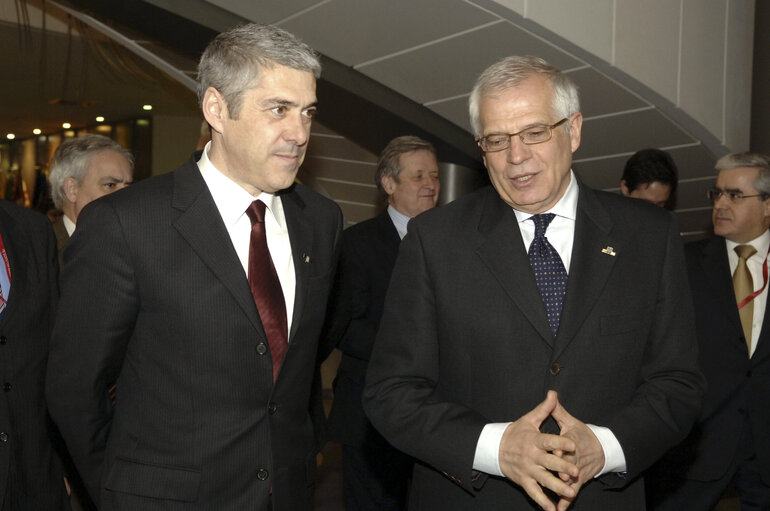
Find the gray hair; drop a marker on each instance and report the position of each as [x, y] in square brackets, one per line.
[389, 163]
[510, 72]
[72, 158]
[231, 62]
[754, 160]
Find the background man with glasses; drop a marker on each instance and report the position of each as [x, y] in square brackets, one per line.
[536, 284]
[730, 442]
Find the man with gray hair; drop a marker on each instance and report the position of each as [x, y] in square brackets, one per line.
[376, 475]
[83, 169]
[536, 347]
[202, 293]
[729, 444]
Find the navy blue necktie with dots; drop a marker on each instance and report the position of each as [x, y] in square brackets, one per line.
[550, 275]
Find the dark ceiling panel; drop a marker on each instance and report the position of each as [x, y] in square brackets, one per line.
[694, 161]
[366, 194]
[338, 147]
[692, 194]
[456, 110]
[599, 95]
[628, 133]
[695, 222]
[342, 170]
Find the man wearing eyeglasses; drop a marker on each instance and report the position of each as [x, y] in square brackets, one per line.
[536, 332]
[730, 442]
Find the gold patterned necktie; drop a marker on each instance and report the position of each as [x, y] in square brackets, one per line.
[744, 286]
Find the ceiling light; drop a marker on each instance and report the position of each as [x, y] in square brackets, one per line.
[100, 119]
[146, 107]
[10, 136]
[66, 125]
[37, 131]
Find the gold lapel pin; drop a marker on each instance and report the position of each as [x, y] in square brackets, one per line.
[609, 251]
[305, 258]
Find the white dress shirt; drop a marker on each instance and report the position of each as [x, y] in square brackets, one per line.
[400, 221]
[755, 264]
[232, 201]
[560, 234]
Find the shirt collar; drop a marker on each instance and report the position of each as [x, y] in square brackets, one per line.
[566, 206]
[69, 225]
[761, 243]
[231, 199]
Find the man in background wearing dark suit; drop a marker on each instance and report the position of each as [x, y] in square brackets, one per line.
[730, 442]
[84, 169]
[202, 292]
[375, 474]
[536, 285]
[651, 175]
[31, 475]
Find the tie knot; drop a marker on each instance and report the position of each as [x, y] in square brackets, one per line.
[256, 212]
[541, 223]
[745, 251]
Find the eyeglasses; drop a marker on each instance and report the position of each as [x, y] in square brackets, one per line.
[715, 193]
[530, 136]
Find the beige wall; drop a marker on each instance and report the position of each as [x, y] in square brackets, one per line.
[695, 53]
[173, 141]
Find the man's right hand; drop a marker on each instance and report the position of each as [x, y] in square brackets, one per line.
[526, 456]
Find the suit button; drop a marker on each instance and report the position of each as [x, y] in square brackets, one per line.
[272, 408]
[555, 368]
[262, 474]
[3, 340]
[748, 373]
[7, 386]
[3, 436]
[261, 348]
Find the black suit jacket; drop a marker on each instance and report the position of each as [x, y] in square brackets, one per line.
[369, 251]
[62, 236]
[29, 470]
[738, 386]
[155, 298]
[464, 341]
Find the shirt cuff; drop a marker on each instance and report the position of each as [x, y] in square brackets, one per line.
[614, 459]
[488, 449]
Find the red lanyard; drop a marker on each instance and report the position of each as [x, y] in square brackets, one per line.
[740, 305]
[7, 265]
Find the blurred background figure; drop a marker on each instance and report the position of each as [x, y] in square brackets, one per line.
[31, 476]
[651, 175]
[729, 445]
[83, 169]
[375, 474]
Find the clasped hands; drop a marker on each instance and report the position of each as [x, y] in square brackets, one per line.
[530, 458]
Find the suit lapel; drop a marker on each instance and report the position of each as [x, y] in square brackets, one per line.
[200, 224]
[589, 267]
[301, 237]
[390, 239]
[502, 251]
[716, 268]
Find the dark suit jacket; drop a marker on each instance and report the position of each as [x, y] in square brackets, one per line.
[62, 236]
[464, 341]
[738, 386]
[155, 298]
[369, 251]
[28, 468]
